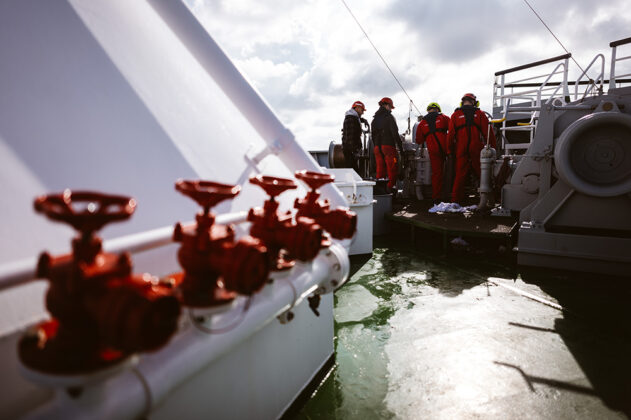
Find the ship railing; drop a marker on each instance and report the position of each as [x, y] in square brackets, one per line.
[504, 89]
[596, 83]
[533, 115]
[613, 76]
[532, 91]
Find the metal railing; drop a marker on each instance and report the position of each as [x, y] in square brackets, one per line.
[535, 91]
[500, 94]
[593, 83]
[528, 92]
[615, 59]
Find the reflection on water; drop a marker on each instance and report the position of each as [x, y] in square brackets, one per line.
[420, 336]
[363, 384]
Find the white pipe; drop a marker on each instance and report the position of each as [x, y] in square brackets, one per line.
[17, 272]
[125, 397]
[23, 271]
[245, 97]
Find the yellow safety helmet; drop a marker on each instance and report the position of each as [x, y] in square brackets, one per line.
[433, 105]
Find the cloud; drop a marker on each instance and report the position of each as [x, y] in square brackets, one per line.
[310, 60]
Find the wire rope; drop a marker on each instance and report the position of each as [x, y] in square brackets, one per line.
[380, 55]
[559, 41]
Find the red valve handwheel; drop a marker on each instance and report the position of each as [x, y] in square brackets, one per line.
[99, 209]
[273, 186]
[314, 179]
[207, 193]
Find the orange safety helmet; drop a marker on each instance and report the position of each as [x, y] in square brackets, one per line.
[386, 101]
[359, 103]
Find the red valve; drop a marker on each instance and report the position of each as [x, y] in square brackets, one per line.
[207, 193]
[101, 312]
[314, 179]
[87, 212]
[273, 186]
[341, 223]
[97, 211]
[215, 267]
[284, 238]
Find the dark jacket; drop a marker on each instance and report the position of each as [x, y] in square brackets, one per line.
[384, 129]
[352, 131]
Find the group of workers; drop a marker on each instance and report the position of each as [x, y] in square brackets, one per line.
[458, 139]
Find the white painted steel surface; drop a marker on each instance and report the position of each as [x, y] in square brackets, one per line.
[121, 97]
[359, 198]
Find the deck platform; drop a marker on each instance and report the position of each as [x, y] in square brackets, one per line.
[447, 226]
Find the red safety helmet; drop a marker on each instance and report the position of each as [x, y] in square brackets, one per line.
[359, 103]
[386, 101]
[472, 98]
[469, 96]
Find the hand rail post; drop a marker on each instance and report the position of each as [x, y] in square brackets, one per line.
[612, 68]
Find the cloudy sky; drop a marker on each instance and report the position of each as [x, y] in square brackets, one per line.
[310, 60]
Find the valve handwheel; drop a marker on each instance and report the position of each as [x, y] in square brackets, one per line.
[101, 313]
[272, 185]
[207, 193]
[86, 211]
[314, 179]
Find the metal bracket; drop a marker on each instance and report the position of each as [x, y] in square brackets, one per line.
[254, 159]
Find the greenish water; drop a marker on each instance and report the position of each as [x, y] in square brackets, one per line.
[373, 312]
[423, 335]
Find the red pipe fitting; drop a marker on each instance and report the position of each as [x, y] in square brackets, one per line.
[215, 267]
[101, 312]
[341, 223]
[284, 238]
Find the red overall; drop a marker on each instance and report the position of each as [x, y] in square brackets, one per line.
[387, 160]
[469, 140]
[438, 147]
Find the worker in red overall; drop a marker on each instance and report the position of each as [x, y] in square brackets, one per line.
[432, 130]
[385, 137]
[468, 128]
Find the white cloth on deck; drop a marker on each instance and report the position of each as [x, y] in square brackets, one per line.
[451, 208]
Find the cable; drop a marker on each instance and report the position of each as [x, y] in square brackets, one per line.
[560, 43]
[380, 56]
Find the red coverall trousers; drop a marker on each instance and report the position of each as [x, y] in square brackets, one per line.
[437, 160]
[386, 161]
[438, 148]
[469, 143]
[465, 159]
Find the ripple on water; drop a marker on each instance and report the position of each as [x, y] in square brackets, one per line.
[354, 303]
[377, 370]
[361, 371]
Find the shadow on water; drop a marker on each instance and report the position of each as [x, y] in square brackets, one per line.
[596, 328]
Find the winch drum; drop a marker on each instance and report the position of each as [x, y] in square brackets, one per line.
[593, 155]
